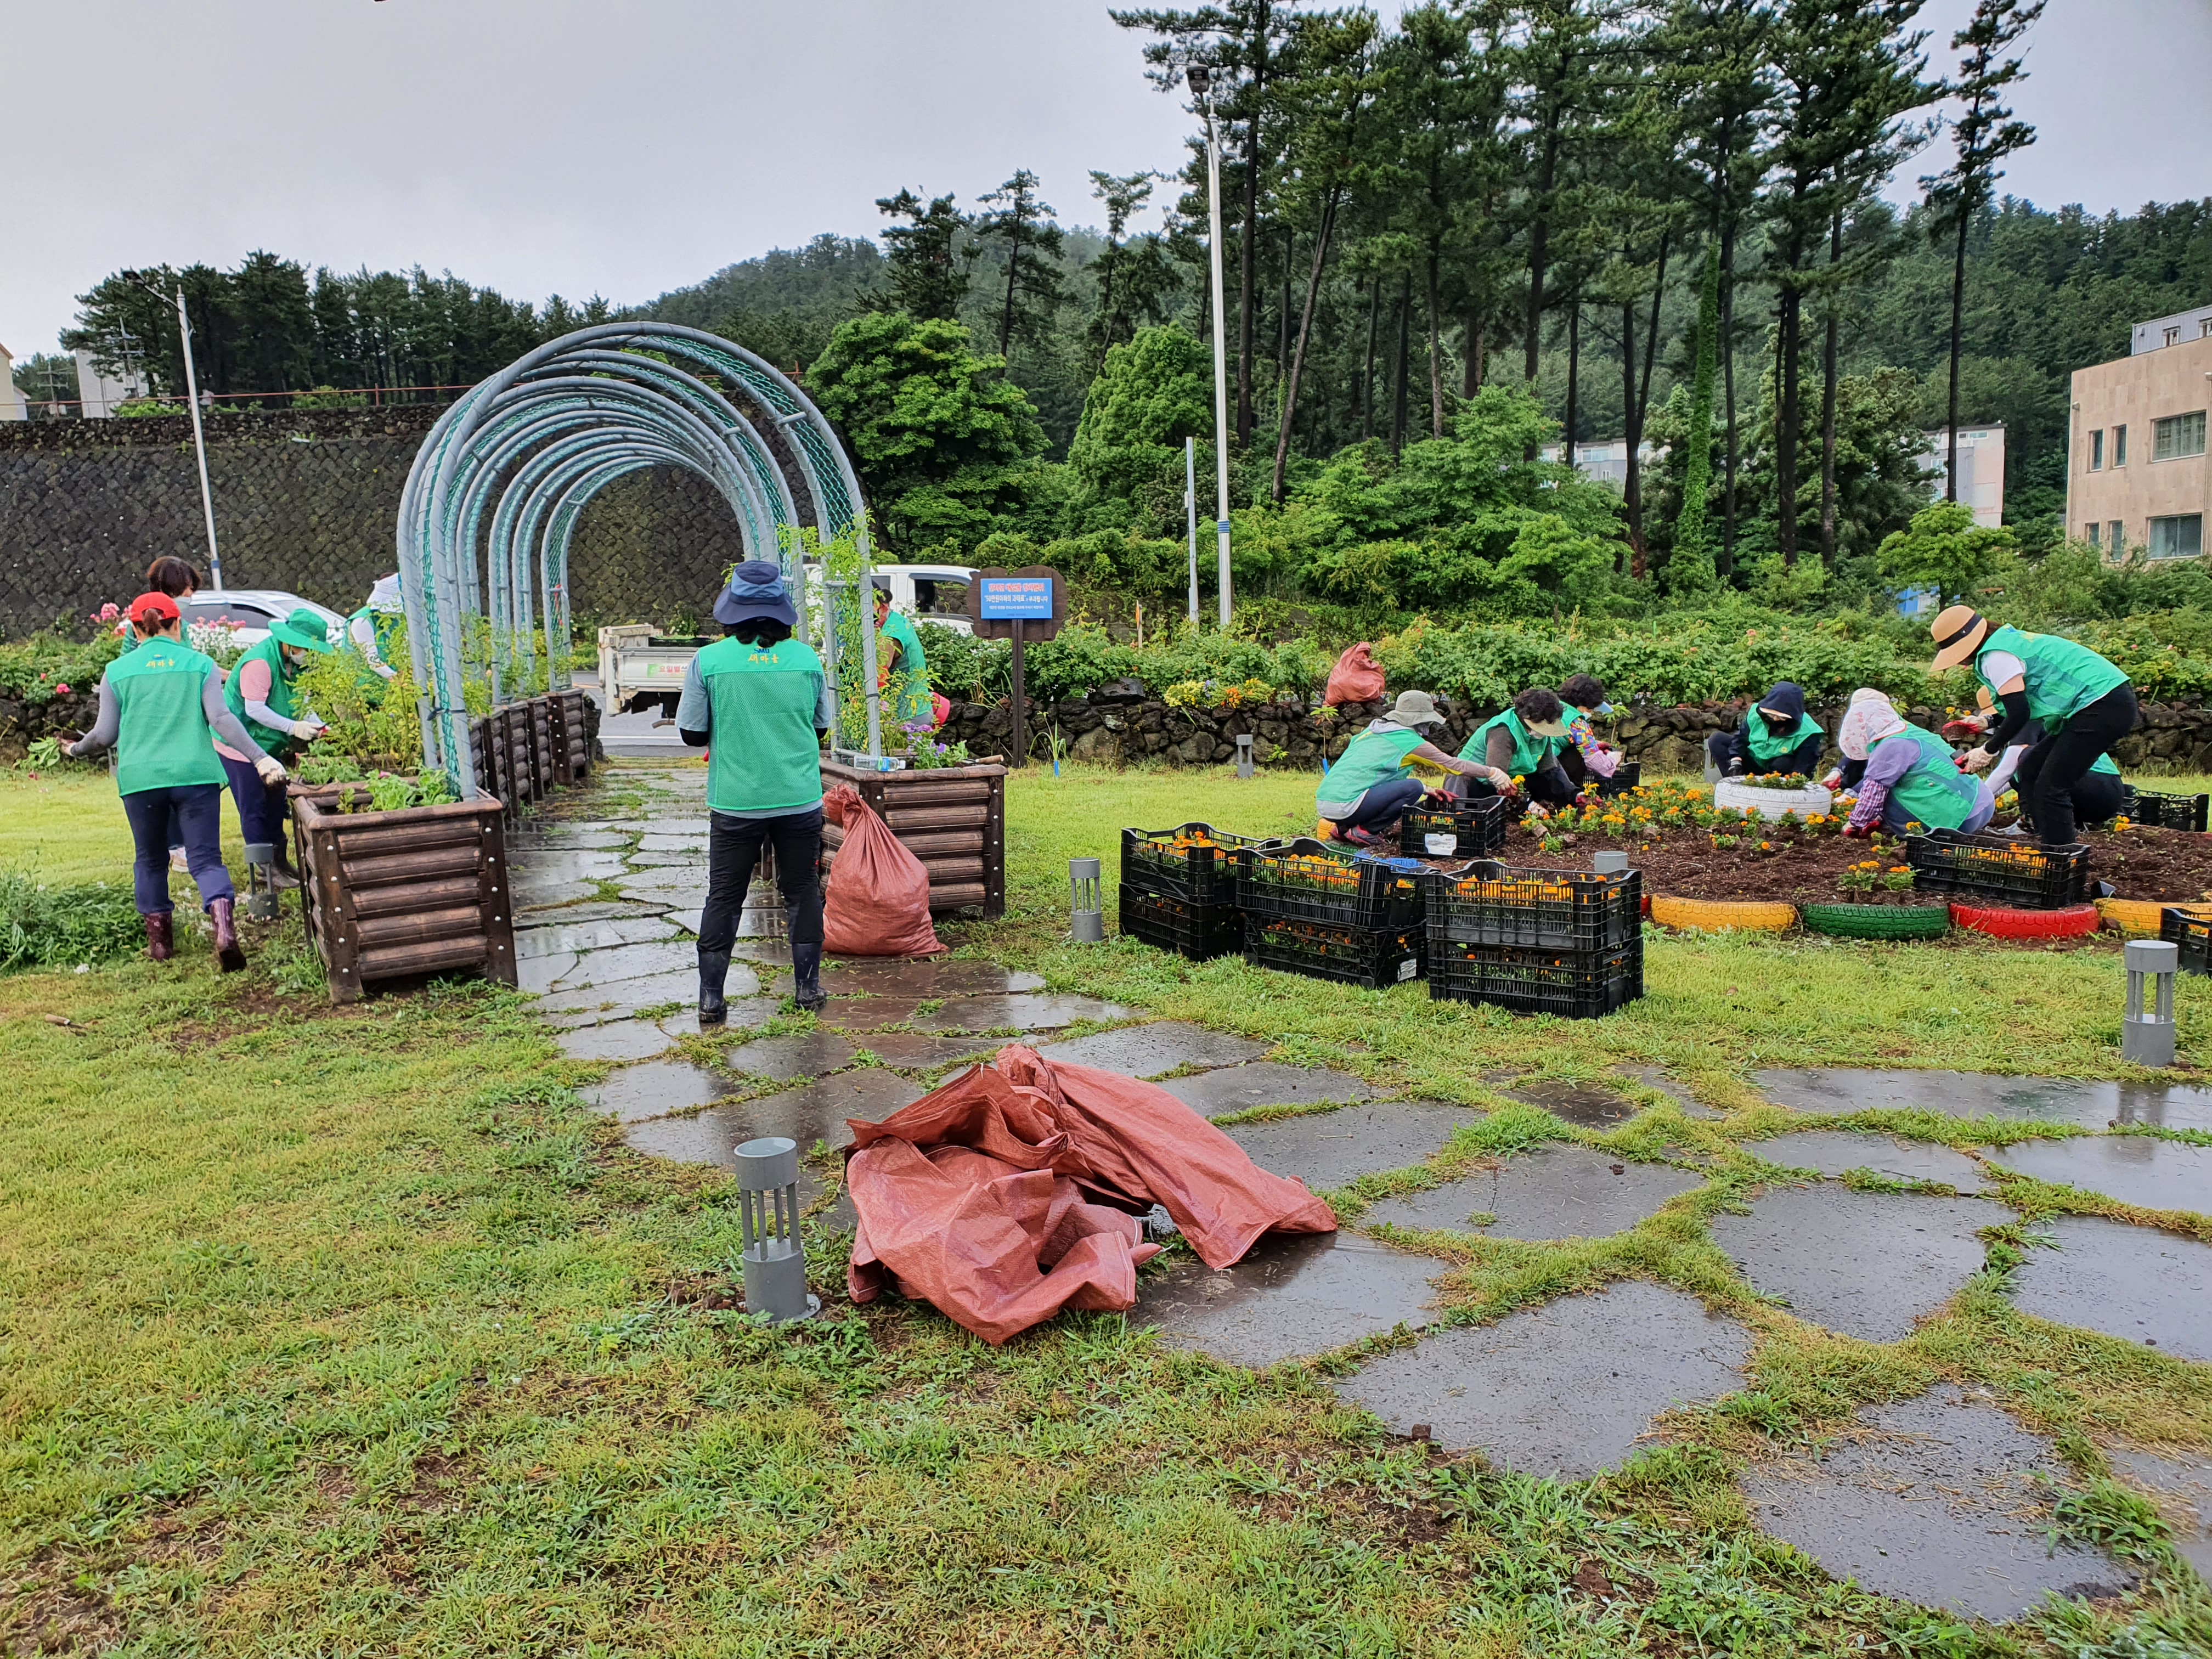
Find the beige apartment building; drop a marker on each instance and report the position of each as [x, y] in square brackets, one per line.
[2137, 478]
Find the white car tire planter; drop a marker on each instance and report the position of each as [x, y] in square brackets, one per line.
[1735, 795]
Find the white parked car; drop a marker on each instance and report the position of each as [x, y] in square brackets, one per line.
[247, 612]
[927, 592]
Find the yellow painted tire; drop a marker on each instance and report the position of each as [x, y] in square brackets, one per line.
[1715, 915]
[2142, 917]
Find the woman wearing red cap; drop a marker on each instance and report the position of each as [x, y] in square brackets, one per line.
[160, 710]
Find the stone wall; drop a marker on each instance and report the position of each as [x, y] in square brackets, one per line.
[306, 500]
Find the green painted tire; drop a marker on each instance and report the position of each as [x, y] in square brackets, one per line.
[1879, 921]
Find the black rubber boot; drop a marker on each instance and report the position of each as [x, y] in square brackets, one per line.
[713, 970]
[806, 978]
[229, 954]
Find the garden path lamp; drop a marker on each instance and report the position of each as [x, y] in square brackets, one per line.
[1200, 79]
[145, 280]
[1243, 754]
[1086, 908]
[775, 1265]
[2147, 1033]
[1608, 863]
[261, 880]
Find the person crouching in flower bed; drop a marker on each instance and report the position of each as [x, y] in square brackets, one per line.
[1775, 735]
[1524, 743]
[161, 709]
[1905, 774]
[1370, 788]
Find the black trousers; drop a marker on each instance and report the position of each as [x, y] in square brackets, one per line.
[2050, 772]
[733, 847]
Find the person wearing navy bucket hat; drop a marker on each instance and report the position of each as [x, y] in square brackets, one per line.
[758, 701]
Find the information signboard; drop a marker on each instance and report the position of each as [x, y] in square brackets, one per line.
[1006, 598]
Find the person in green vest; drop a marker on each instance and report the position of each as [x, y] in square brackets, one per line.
[2086, 705]
[161, 709]
[2097, 798]
[1371, 785]
[1775, 735]
[758, 701]
[1524, 742]
[1904, 776]
[373, 630]
[901, 665]
[259, 692]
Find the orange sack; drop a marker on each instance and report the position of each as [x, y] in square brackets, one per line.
[1013, 1191]
[877, 904]
[1356, 678]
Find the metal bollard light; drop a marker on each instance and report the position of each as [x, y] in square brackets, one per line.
[776, 1266]
[1608, 863]
[261, 880]
[1243, 754]
[2147, 1033]
[1087, 909]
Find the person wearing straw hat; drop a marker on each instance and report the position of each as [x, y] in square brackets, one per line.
[1372, 787]
[373, 630]
[2097, 797]
[259, 692]
[1523, 741]
[2085, 703]
[758, 701]
[161, 705]
[1904, 776]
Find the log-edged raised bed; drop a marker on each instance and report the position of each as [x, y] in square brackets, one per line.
[952, 818]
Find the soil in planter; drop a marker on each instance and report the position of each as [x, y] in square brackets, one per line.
[2171, 867]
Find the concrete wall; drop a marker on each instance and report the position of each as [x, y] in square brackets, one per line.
[2136, 392]
[12, 407]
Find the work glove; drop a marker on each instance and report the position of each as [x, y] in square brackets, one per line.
[1858, 831]
[1959, 731]
[1976, 760]
[308, 728]
[1834, 780]
[270, 771]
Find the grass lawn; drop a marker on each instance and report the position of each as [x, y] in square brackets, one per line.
[330, 1332]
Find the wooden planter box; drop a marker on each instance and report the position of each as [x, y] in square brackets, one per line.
[954, 820]
[390, 894]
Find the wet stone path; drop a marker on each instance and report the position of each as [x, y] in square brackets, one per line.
[1854, 1228]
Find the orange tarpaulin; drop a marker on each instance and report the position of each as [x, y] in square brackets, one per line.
[1014, 1190]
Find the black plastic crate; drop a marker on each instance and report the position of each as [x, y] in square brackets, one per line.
[1200, 932]
[1536, 910]
[1371, 959]
[1572, 984]
[2019, 873]
[1203, 871]
[1628, 775]
[2157, 812]
[2191, 929]
[1305, 880]
[1477, 829]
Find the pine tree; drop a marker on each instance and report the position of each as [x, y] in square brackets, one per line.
[1022, 225]
[928, 279]
[1690, 567]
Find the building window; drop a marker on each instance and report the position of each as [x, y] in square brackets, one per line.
[2173, 335]
[2097, 450]
[2090, 533]
[2176, 435]
[2178, 538]
[2205, 330]
[2119, 543]
[2119, 446]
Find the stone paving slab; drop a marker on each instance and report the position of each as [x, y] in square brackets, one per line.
[593, 1005]
[1027, 1011]
[570, 916]
[1656, 1076]
[813, 1112]
[659, 839]
[2136, 1283]
[566, 837]
[542, 970]
[1264, 1083]
[1585, 1105]
[691, 864]
[574, 864]
[2159, 1174]
[591, 935]
[1970, 1094]
[1330, 1148]
[1553, 1192]
[1147, 1051]
[637, 961]
[1938, 1500]
[1291, 1297]
[1564, 1390]
[655, 1090]
[916, 1051]
[550, 894]
[1868, 1265]
[2180, 1484]
[1834, 1152]
[616, 1039]
[712, 1138]
[810, 1054]
[864, 1013]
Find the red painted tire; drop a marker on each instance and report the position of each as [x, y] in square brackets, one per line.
[2001, 921]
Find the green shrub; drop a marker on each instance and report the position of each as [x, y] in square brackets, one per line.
[37, 668]
[61, 927]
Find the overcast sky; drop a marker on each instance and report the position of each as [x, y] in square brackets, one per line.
[544, 146]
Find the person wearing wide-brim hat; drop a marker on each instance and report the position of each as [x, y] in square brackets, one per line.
[758, 701]
[161, 707]
[1371, 786]
[259, 693]
[1522, 741]
[2097, 798]
[2086, 704]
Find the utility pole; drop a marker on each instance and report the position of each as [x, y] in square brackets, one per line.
[1199, 78]
[1190, 513]
[199, 436]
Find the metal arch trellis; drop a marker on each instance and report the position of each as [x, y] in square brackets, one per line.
[530, 447]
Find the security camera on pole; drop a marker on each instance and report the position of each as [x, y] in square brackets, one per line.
[1199, 78]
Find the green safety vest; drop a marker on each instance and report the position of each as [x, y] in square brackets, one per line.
[1935, 791]
[1529, 750]
[910, 679]
[2063, 678]
[270, 650]
[1766, 745]
[1372, 758]
[164, 742]
[2104, 763]
[764, 755]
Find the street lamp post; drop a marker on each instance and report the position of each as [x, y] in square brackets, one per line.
[199, 437]
[1200, 79]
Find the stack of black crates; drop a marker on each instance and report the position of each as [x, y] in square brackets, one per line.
[2189, 927]
[1310, 908]
[1994, 870]
[1179, 889]
[1564, 942]
[2155, 811]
